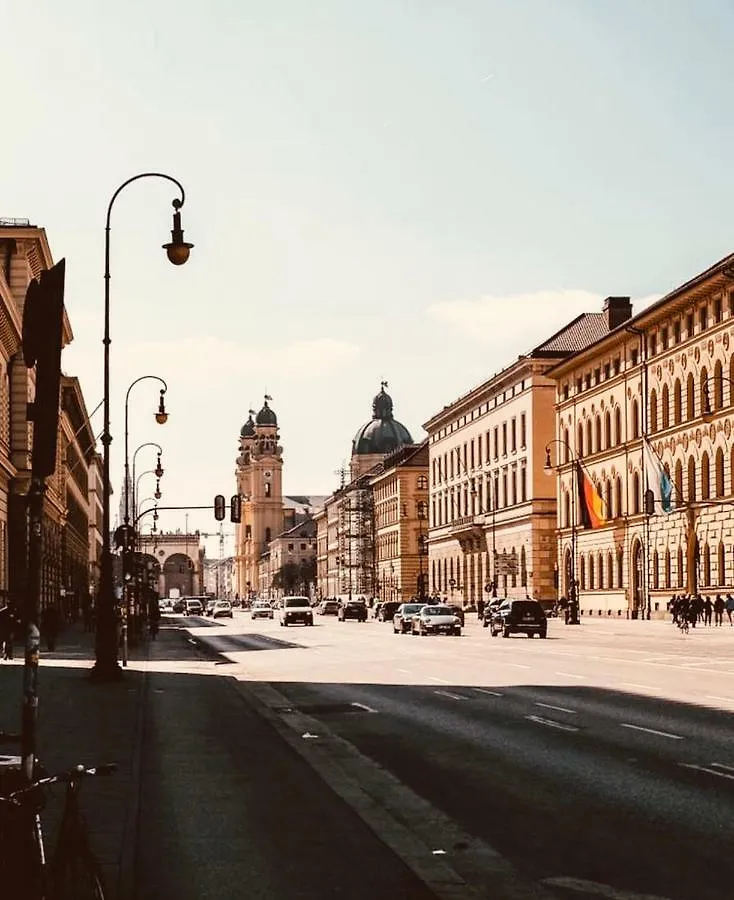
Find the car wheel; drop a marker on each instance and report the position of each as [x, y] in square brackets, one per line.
[457, 632]
[505, 632]
[485, 624]
[543, 634]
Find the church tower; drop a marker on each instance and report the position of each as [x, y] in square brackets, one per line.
[259, 482]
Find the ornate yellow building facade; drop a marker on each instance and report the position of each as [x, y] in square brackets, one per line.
[665, 377]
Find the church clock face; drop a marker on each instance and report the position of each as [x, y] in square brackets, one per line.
[268, 475]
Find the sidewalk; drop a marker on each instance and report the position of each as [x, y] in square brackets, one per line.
[80, 722]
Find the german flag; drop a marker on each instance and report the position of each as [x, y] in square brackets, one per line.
[593, 508]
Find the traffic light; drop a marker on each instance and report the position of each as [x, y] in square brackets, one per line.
[43, 316]
[219, 503]
[235, 508]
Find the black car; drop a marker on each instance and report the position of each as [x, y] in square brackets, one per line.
[519, 617]
[352, 609]
[458, 611]
[386, 611]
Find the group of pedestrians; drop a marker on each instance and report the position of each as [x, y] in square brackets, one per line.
[695, 609]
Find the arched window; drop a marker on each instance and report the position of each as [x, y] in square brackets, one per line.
[678, 491]
[582, 573]
[721, 579]
[655, 571]
[620, 567]
[617, 425]
[677, 402]
[691, 480]
[600, 571]
[690, 397]
[635, 493]
[589, 435]
[706, 565]
[665, 411]
[597, 428]
[566, 444]
[653, 411]
[635, 415]
[592, 572]
[610, 570]
[719, 476]
[607, 430]
[608, 498]
[668, 582]
[703, 382]
[618, 510]
[705, 477]
[580, 440]
[566, 509]
[681, 573]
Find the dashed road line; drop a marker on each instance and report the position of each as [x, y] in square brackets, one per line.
[710, 771]
[485, 691]
[723, 699]
[516, 665]
[571, 675]
[646, 687]
[450, 695]
[666, 734]
[551, 723]
[438, 680]
[557, 708]
[588, 888]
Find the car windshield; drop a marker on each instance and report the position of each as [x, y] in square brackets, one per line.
[222, 605]
[411, 608]
[261, 604]
[437, 611]
[295, 601]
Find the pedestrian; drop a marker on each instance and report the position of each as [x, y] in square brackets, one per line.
[50, 626]
[729, 607]
[7, 628]
[708, 608]
[719, 610]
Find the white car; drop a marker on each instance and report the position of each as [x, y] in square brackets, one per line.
[261, 609]
[295, 609]
[436, 620]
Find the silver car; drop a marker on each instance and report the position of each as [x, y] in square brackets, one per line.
[261, 609]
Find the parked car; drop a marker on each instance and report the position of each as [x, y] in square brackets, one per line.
[386, 611]
[435, 620]
[261, 609]
[193, 607]
[294, 610]
[222, 609]
[352, 609]
[519, 617]
[402, 621]
[328, 608]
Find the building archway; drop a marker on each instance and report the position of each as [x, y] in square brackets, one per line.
[637, 577]
[178, 573]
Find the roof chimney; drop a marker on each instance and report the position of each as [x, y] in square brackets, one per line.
[618, 310]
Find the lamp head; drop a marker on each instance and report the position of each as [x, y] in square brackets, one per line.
[548, 468]
[178, 249]
[158, 471]
[157, 494]
[161, 416]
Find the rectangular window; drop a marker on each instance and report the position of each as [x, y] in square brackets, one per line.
[664, 338]
[617, 364]
[523, 484]
[717, 310]
[587, 380]
[634, 356]
[579, 386]
[607, 371]
[702, 318]
[651, 346]
[676, 332]
[268, 488]
[597, 375]
[290, 546]
[504, 438]
[496, 442]
[513, 435]
[689, 325]
[505, 498]
[471, 454]
[479, 451]
[565, 391]
[523, 431]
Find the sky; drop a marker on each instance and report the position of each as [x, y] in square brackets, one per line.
[408, 190]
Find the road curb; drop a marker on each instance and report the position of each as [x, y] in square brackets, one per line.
[452, 864]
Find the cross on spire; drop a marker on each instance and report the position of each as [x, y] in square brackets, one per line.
[383, 385]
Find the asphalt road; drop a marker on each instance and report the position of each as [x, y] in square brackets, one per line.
[601, 756]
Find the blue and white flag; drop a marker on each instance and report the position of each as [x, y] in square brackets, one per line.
[658, 480]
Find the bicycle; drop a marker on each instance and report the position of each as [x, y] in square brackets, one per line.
[72, 873]
[683, 625]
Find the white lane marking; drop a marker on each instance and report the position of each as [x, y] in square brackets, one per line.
[450, 695]
[557, 708]
[667, 734]
[438, 680]
[707, 770]
[724, 699]
[646, 687]
[484, 691]
[595, 887]
[405, 671]
[551, 723]
[516, 665]
[364, 707]
[571, 675]
[722, 766]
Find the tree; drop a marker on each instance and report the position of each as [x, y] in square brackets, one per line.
[287, 578]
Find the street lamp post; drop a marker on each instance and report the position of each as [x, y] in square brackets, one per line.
[573, 607]
[106, 667]
[158, 470]
[161, 417]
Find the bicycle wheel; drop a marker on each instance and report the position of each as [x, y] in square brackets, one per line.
[74, 875]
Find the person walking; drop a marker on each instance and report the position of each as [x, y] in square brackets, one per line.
[708, 608]
[729, 607]
[719, 610]
[50, 626]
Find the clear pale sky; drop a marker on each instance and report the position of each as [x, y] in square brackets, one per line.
[415, 191]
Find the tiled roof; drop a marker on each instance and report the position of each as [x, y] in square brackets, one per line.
[305, 529]
[578, 334]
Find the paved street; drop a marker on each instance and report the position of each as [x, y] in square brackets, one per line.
[601, 755]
